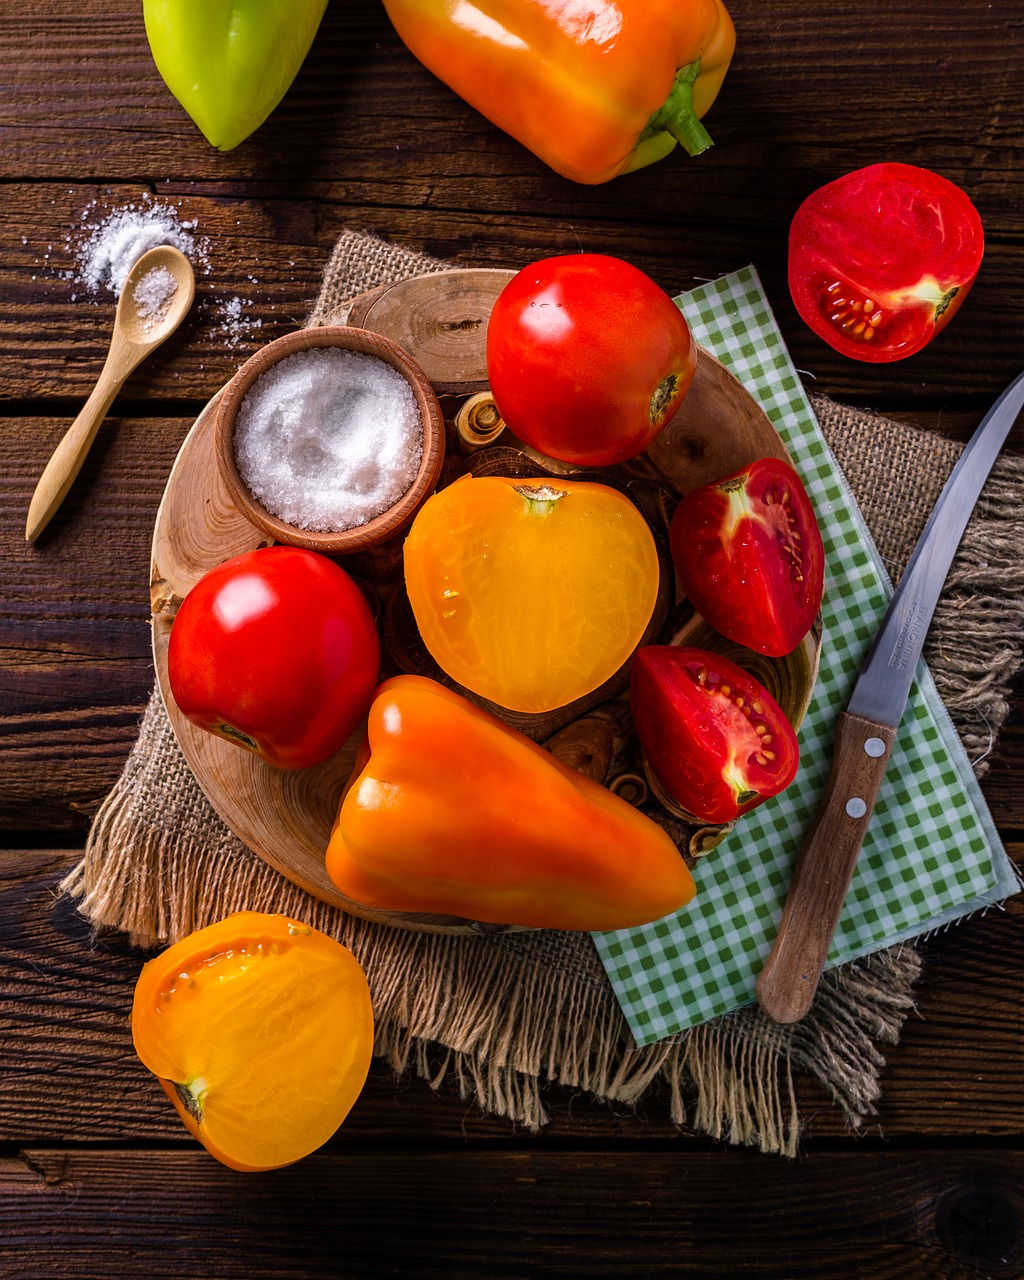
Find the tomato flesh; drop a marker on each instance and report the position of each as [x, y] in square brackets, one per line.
[880, 260]
[587, 358]
[716, 740]
[530, 593]
[276, 651]
[749, 556]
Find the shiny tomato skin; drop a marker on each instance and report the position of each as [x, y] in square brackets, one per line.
[749, 555]
[275, 650]
[714, 737]
[587, 358]
[881, 259]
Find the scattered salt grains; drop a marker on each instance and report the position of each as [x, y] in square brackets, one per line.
[328, 439]
[109, 241]
[123, 235]
[234, 323]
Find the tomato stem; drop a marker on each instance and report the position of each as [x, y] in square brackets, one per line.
[946, 301]
[234, 734]
[662, 400]
[676, 115]
[191, 1097]
[542, 498]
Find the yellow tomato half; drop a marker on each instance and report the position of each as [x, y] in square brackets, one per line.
[260, 1030]
[530, 593]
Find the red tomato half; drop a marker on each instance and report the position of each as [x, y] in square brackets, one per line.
[717, 741]
[587, 358]
[749, 556]
[881, 260]
[275, 650]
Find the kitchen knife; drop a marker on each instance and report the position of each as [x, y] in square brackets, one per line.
[867, 728]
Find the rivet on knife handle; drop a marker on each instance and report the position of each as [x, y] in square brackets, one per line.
[824, 868]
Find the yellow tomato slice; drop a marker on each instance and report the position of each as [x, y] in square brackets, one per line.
[530, 593]
[260, 1030]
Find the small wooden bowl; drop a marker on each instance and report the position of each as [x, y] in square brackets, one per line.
[389, 522]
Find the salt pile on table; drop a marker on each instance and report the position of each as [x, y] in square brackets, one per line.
[116, 243]
[328, 439]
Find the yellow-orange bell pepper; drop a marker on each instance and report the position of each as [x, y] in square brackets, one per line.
[595, 88]
[450, 810]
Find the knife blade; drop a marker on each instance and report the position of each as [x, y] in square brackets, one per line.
[867, 728]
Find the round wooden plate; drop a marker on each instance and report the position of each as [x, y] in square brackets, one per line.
[440, 319]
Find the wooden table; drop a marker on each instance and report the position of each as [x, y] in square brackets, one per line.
[97, 1176]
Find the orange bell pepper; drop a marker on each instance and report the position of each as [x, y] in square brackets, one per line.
[595, 88]
[450, 810]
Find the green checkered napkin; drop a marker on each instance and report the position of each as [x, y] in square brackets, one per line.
[931, 854]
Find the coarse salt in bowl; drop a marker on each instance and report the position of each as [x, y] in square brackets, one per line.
[330, 438]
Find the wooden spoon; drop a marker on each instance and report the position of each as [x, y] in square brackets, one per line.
[140, 325]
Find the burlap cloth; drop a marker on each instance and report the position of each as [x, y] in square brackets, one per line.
[497, 1017]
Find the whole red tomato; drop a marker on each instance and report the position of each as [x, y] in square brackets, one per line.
[881, 260]
[749, 556]
[587, 358]
[713, 736]
[275, 650]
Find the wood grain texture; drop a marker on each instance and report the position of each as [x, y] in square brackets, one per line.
[266, 255]
[487, 1212]
[97, 1177]
[368, 138]
[76, 668]
[65, 999]
[442, 318]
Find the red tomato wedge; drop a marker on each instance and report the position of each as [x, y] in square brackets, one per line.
[717, 741]
[882, 259]
[749, 556]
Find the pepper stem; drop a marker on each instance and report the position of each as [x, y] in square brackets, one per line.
[676, 115]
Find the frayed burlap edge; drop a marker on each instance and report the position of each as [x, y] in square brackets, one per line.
[500, 1018]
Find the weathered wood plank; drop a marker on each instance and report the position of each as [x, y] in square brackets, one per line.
[85, 85]
[266, 256]
[368, 138]
[359, 1212]
[92, 560]
[76, 664]
[71, 1073]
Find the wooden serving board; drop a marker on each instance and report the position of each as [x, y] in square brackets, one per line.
[285, 816]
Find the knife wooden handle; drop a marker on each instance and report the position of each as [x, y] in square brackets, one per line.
[824, 867]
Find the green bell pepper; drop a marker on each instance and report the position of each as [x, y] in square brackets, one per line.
[230, 62]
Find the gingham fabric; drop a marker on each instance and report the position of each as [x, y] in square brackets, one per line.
[931, 854]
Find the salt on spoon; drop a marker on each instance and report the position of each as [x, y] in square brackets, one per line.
[141, 324]
[153, 294]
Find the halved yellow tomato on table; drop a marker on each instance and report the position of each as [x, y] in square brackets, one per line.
[260, 1030]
